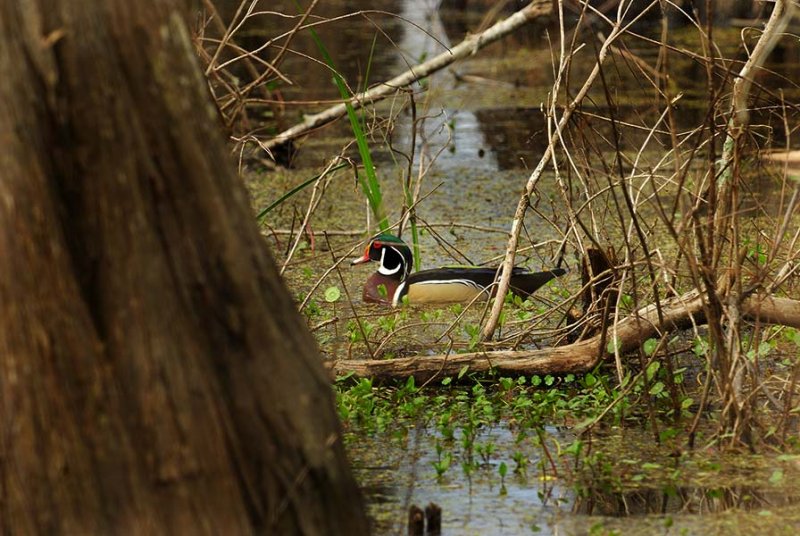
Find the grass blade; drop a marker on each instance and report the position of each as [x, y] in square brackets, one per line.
[369, 185]
[264, 211]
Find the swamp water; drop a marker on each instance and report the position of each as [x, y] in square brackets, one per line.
[485, 115]
[652, 494]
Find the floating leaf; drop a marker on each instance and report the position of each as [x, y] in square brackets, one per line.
[332, 294]
[574, 448]
[793, 335]
[584, 424]
[650, 346]
[410, 384]
[700, 347]
[667, 434]
[627, 301]
[382, 292]
[764, 348]
[463, 371]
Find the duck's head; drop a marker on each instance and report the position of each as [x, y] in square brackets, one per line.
[393, 254]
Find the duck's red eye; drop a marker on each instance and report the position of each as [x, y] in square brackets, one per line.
[377, 245]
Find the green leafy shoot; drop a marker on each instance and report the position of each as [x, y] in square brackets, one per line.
[369, 185]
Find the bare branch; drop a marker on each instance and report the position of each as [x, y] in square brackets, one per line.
[470, 45]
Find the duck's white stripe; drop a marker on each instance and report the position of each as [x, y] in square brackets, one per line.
[397, 293]
[465, 282]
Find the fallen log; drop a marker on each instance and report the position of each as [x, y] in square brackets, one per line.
[677, 313]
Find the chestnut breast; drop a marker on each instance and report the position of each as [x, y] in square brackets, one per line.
[373, 292]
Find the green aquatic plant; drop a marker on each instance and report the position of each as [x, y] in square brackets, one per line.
[462, 417]
[443, 460]
[369, 183]
[520, 461]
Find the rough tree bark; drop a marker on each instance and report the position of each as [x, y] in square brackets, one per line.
[154, 375]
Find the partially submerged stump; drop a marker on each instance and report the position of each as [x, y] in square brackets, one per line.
[416, 521]
[425, 523]
[599, 282]
[433, 519]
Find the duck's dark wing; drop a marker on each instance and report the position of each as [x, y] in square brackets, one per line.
[478, 275]
[493, 269]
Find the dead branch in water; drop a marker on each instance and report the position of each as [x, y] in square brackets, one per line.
[470, 45]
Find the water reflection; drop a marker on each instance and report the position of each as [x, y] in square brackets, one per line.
[453, 127]
[397, 472]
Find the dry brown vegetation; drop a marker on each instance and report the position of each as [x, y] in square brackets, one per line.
[674, 187]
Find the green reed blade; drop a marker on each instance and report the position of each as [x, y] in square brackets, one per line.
[370, 186]
[264, 211]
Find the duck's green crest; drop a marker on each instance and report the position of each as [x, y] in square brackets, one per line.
[389, 238]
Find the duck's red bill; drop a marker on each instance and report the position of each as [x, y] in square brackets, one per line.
[362, 260]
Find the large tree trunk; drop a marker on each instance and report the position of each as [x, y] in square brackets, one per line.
[155, 377]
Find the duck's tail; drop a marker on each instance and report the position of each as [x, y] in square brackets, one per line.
[526, 284]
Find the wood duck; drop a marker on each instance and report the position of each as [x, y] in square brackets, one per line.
[438, 285]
